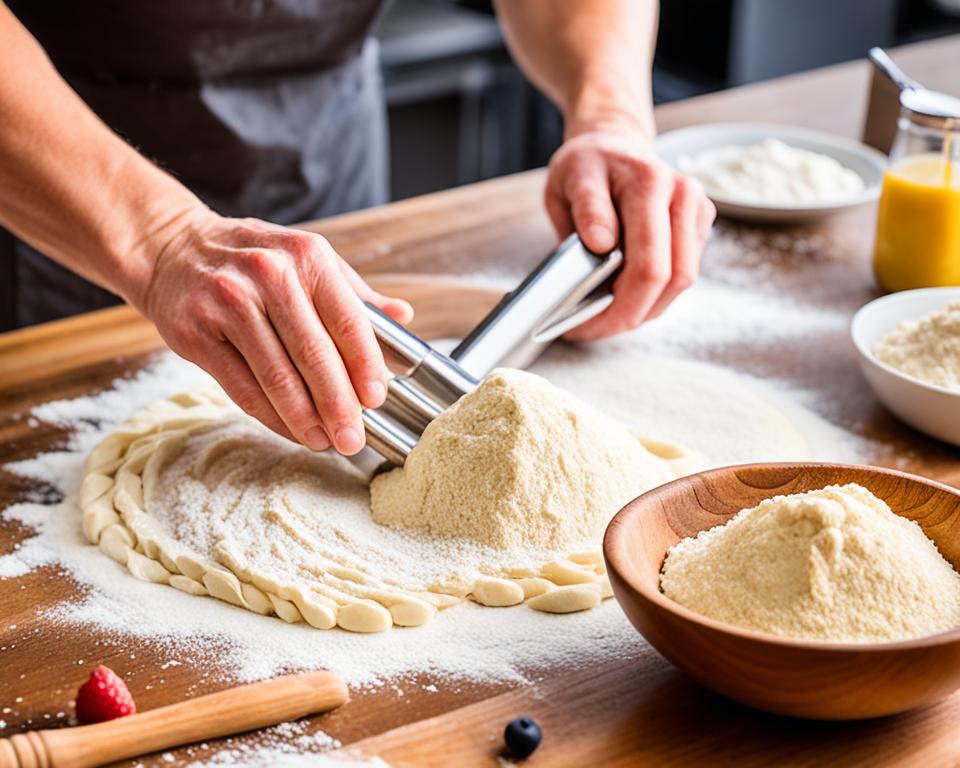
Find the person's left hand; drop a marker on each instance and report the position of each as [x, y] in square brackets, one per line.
[602, 183]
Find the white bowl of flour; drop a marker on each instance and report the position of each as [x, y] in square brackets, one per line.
[775, 173]
[903, 357]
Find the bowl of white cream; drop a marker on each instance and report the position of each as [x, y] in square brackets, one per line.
[775, 173]
[908, 345]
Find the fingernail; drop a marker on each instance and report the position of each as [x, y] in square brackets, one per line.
[599, 237]
[317, 439]
[349, 441]
[402, 308]
[376, 394]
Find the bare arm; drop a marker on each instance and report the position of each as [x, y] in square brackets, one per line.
[68, 185]
[274, 314]
[593, 58]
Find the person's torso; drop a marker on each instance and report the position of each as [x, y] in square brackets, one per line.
[270, 109]
[240, 99]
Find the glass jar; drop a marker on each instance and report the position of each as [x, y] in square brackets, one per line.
[918, 221]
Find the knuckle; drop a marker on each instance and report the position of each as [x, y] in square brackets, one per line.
[323, 255]
[277, 380]
[318, 261]
[338, 408]
[188, 333]
[314, 356]
[647, 179]
[682, 279]
[247, 230]
[199, 314]
[683, 189]
[262, 266]
[350, 326]
[285, 286]
[299, 245]
[229, 292]
[318, 242]
[626, 322]
[654, 272]
[252, 224]
[248, 401]
[582, 190]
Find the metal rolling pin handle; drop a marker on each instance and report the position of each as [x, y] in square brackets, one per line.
[391, 440]
[554, 327]
[433, 382]
[568, 287]
[437, 376]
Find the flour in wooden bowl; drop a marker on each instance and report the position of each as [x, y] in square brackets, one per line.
[834, 564]
[927, 349]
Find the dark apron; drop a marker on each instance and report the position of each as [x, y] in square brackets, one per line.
[271, 109]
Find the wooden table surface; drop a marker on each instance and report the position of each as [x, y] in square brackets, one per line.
[638, 711]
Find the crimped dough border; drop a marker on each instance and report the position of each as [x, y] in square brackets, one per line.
[121, 471]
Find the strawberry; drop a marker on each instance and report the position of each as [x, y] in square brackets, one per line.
[103, 697]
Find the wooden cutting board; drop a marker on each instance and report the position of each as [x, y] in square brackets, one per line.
[635, 710]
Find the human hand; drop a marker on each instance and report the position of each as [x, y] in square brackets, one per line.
[276, 316]
[604, 182]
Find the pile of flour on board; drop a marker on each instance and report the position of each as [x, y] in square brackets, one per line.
[658, 379]
[927, 349]
[518, 463]
[772, 172]
[834, 564]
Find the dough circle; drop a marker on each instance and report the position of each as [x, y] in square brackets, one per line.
[192, 493]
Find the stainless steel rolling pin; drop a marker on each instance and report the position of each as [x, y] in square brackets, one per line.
[567, 288]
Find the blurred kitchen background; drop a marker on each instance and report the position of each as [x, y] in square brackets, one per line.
[460, 111]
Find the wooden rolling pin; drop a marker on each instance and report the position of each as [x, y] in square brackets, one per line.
[207, 717]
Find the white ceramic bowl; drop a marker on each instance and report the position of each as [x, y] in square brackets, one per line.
[865, 161]
[926, 407]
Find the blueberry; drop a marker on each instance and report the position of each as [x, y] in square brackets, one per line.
[522, 735]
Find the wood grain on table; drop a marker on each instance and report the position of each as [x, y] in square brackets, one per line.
[634, 711]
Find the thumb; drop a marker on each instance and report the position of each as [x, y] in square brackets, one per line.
[594, 215]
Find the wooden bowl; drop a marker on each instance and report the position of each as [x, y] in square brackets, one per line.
[827, 681]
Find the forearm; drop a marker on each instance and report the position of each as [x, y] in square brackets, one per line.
[68, 185]
[592, 58]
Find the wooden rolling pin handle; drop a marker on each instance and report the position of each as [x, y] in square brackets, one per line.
[207, 717]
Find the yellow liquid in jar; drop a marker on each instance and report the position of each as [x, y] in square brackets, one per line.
[918, 225]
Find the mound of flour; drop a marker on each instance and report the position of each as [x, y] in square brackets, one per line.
[927, 349]
[772, 172]
[518, 462]
[834, 564]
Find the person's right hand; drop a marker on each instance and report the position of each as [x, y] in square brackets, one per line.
[276, 316]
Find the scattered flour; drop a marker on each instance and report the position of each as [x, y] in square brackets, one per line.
[834, 564]
[286, 745]
[698, 403]
[193, 493]
[927, 349]
[772, 172]
[660, 379]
